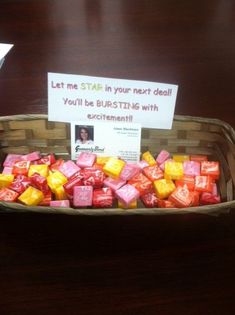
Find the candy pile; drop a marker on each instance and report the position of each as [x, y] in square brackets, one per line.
[103, 182]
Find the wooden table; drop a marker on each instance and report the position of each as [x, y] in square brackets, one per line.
[178, 264]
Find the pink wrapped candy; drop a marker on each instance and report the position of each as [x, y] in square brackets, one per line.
[33, 156]
[114, 184]
[129, 171]
[60, 203]
[191, 168]
[127, 193]
[86, 159]
[69, 168]
[7, 170]
[162, 156]
[11, 159]
[82, 196]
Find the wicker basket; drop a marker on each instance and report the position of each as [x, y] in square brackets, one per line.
[189, 135]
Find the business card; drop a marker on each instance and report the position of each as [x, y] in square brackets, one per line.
[116, 140]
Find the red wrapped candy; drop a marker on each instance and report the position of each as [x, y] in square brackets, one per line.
[20, 183]
[141, 183]
[93, 177]
[75, 180]
[203, 183]
[8, 195]
[48, 159]
[40, 182]
[165, 203]
[47, 199]
[102, 198]
[186, 180]
[150, 200]
[21, 168]
[153, 172]
[210, 168]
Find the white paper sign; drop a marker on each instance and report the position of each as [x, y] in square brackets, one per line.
[4, 48]
[77, 97]
[119, 140]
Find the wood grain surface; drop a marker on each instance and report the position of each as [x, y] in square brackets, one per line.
[174, 264]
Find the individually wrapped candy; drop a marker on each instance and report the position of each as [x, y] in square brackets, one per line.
[203, 183]
[132, 205]
[163, 187]
[41, 169]
[31, 196]
[60, 203]
[60, 193]
[153, 172]
[102, 198]
[114, 184]
[165, 203]
[128, 171]
[75, 180]
[141, 183]
[189, 181]
[40, 182]
[86, 159]
[6, 180]
[93, 176]
[8, 195]
[55, 180]
[48, 159]
[68, 168]
[173, 170]
[181, 197]
[150, 200]
[20, 183]
[33, 156]
[82, 196]
[7, 170]
[127, 194]
[147, 156]
[11, 159]
[21, 167]
[210, 168]
[113, 167]
[180, 158]
[192, 168]
[162, 156]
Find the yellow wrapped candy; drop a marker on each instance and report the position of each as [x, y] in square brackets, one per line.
[113, 167]
[180, 158]
[147, 156]
[6, 180]
[173, 170]
[163, 187]
[101, 160]
[56, 180]
[132, 205]
[60, 193]
[31, 196]
[41, 169]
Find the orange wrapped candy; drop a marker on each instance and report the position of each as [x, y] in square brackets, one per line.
[186, 180]
[181, 197]
[210, 168]
[141, 183]
[203, 183]
[153, 172]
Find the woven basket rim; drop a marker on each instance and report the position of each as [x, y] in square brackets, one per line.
[209, 209]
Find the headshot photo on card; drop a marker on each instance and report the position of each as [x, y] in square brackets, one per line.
[84, 134]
